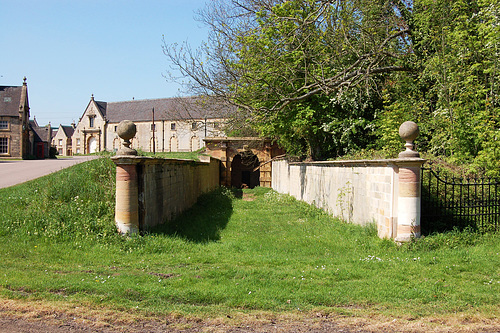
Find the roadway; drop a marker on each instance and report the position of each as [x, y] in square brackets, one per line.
[13, 172]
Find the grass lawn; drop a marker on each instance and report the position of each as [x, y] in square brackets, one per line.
[235, 252]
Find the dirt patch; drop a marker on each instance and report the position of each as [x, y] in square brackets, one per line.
[248, 197]
[37, 316]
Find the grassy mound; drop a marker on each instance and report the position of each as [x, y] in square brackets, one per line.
[233, 252]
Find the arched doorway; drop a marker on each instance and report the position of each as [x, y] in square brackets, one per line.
[242, 174]
[195, 143]
[92, 145]
[116, 144]
[174, 144]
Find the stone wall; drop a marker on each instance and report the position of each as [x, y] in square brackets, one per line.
[151, 191]
[13, 135]
[184, 138]
[230, 151]
[360, 192]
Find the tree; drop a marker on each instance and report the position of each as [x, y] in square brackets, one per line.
[455, 94]
[305, 72]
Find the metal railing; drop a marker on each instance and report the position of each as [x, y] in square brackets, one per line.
[449, 202]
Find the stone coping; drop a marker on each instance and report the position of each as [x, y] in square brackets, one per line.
[231, 138]
[382, 162]
[128, 159]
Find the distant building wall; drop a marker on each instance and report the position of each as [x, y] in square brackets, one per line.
[62, 143]
[169, 136]
[90, 132]
[11, 136]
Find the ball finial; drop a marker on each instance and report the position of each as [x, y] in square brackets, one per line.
[126, 130]
[409, 131]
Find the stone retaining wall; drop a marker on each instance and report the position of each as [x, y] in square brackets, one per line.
[360, 192]
[152, 191]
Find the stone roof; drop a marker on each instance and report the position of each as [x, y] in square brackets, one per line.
[41, 134]
[10, 98]
[68, 130]
[179, 108]
[102, 107]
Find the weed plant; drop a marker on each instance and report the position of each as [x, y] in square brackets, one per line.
[234, 251]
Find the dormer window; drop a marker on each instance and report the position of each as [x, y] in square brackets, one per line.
[91, 121]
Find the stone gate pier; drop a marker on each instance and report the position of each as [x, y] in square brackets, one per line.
[152, 191]
[385, 192]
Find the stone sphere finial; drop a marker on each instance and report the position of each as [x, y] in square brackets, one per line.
[126, 130]
[408, 131]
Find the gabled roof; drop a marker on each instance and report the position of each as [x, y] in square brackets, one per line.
[10, 97]
[67, 130]
[177, 108]
[33, 123]
[102, 107]
[41, 134]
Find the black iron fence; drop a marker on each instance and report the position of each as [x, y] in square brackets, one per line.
[449, 203]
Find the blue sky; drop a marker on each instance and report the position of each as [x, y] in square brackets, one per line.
[71, 49]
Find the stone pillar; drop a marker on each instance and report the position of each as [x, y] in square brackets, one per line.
[127, 196]
[409, 164]
[127, 190]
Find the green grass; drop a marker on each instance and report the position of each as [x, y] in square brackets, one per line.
[235, 251]
[192, 155]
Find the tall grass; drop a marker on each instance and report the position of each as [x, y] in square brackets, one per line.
[235, 251]
[74, 203]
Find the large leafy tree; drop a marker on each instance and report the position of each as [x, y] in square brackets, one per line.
[455, 94]
[305, 72]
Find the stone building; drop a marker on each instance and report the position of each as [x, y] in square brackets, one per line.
[245, 161]
[163, 125]
[14, 122]
[62, 140]
[40, 139]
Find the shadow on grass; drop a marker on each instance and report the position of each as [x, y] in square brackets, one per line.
[205, 221]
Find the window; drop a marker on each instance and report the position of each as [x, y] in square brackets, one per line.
[7, 99]
[4, 145]
[77, 142]
[60, 142]
[172, 126]
[116, 128]
[91, 120]
[153, 127]
[194, 126]
[78, 150]
[4, 124]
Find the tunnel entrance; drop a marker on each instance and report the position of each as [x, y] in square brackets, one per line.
[242, 174]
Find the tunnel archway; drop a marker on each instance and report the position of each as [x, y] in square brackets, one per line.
[242, 174]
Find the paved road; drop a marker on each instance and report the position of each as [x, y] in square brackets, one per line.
[16, 172]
